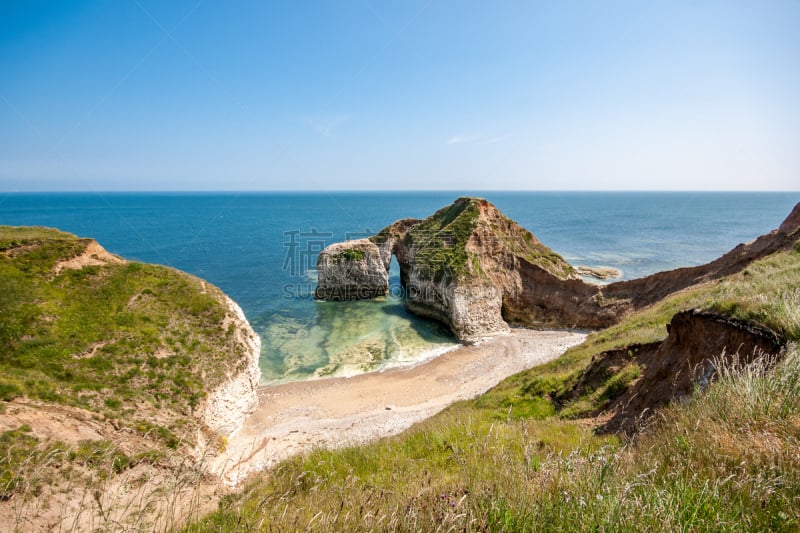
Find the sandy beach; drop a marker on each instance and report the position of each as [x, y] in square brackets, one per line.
[297, 417]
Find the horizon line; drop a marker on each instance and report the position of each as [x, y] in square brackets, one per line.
[378, 191]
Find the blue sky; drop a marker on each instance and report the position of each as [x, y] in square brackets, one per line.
[429, 94]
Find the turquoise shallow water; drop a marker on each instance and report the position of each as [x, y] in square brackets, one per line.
[261, 248]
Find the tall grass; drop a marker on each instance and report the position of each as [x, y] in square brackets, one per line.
[727, 460]
[94, 486]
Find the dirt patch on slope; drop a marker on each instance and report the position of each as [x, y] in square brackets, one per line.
[94, 255]
[56, 422]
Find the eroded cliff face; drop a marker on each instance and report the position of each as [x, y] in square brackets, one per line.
[697, 342]
[544, 300]
[463, 266]
[227, 405]
[472, 268]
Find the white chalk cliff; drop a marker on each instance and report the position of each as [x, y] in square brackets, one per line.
[227, 405]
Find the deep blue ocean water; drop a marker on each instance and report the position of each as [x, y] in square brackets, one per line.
[260, 248]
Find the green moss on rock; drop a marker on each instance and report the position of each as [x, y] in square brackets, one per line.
[440, 241]
[351, 254]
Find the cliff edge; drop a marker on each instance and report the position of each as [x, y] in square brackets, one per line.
[229, 403]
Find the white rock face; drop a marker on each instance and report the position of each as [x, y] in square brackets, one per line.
[352, 270]
[476, 312]
[473, 310]
[228, 405]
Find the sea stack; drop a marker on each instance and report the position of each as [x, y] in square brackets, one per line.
[351, 270]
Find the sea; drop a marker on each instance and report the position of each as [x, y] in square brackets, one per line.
[261, 249]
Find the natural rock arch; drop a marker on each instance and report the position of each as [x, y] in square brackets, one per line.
[474, 269]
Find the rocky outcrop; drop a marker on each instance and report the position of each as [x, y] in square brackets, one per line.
[600, 273]
[167, 364]
[697, 342]
[474, 269]
[228, 404]
[462, 266]
[352, 270]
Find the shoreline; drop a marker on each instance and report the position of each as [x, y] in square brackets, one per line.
[295, 417]
[387, 366]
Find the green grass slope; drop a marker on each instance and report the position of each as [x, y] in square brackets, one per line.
[519, 459]
[130, 346]
[106, 338]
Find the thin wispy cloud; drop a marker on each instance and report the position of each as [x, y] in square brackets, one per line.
[460, 139]
[326, 125]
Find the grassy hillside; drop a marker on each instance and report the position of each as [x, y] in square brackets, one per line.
[113, 338]
[519, 459]
[102, 345]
